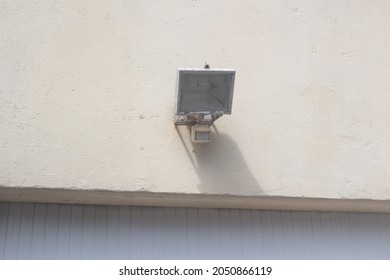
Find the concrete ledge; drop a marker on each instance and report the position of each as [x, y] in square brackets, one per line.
[47, 195]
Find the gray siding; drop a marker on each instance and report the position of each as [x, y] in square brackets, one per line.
[60, 231]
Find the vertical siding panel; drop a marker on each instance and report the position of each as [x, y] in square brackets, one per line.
[279, 243]
[332, 236]
[358, 224]
[51, 233]
[26, 228]
[256, 234]
[192, 233]
[87, 247]
[100, 243]
[317, 234]
[379, 231]
[124, 232]
[13, 231]
[341, 223]
[39, 230]
[147, 241]
[136, 233]
[181, 235]
[204, 234]
[267, 235]
[336, 241]
[385, 222]
[235, 235]
[308, 237]
[4, 206]
[298, 235]
[159, 233]
[349, 234]
[328, 235]
[215, 233]
[246, 235]
[170, 231]
[112, 232]
[76, 232]
[287, 235]
[373, 248]
[226, 234]
[64, 226]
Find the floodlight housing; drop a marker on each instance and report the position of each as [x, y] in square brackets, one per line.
[203, 95]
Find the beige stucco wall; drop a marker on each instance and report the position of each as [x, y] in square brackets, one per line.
[87, 94]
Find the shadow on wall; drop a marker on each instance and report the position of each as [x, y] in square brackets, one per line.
[219, 164]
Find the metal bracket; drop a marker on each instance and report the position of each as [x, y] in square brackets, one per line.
[206, 119]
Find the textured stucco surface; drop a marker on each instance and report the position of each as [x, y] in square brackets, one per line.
[87, 94]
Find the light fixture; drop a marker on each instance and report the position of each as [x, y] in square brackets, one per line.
[202, 96]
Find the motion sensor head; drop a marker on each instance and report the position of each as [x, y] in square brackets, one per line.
[200, 133]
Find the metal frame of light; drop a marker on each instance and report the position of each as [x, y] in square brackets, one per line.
[203, 95]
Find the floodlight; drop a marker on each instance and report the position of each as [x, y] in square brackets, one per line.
[202, 96]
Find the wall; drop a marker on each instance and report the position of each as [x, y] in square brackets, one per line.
[88, 92]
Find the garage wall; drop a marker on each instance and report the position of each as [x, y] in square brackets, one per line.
[59, 231]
